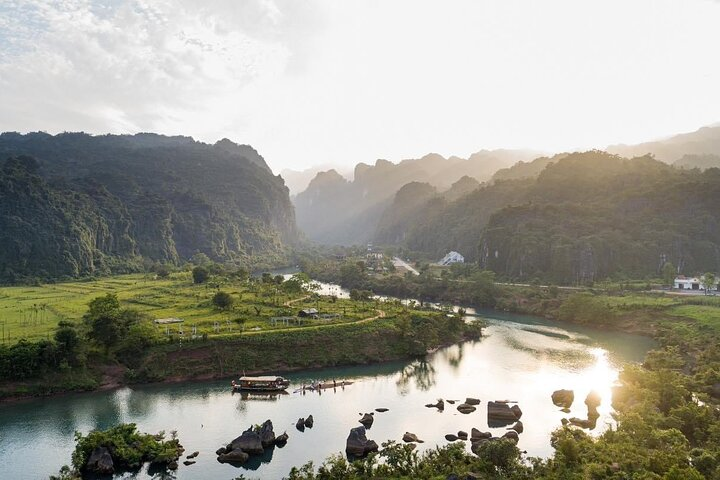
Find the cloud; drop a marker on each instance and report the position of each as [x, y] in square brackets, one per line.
[133, 65]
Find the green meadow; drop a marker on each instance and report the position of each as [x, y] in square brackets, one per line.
[34, 312]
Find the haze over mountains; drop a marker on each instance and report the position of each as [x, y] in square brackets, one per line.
[335, 210]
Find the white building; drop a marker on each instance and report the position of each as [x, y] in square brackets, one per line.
[691, 283]
[450, 258]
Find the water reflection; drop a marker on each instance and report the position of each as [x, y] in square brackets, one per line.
[420, 373]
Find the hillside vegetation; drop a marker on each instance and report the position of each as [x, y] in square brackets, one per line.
[74, 204]
[585, 217]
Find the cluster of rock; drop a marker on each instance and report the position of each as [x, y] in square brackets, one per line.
[253, 441]
[304, 423]
[592, 401]
[565, 398]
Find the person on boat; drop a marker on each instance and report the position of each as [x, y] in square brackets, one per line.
[334, 383]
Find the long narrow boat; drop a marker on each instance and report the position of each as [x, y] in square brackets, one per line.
[323, 385]
[261, 384]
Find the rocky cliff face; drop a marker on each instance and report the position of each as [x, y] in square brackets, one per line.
[112, 200]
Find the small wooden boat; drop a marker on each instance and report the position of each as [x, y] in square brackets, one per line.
[261, 384]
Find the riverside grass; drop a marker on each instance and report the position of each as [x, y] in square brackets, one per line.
[33, 312]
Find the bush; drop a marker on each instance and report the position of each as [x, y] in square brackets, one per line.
[200, 275]
[223, 300]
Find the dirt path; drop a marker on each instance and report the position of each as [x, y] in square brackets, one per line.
[290, 302]
[380, 314]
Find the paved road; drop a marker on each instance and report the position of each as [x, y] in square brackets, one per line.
[400, 263]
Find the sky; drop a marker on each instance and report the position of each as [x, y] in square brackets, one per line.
[341, 82]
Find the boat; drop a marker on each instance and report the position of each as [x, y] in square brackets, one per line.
[260, 384]
[314, 387]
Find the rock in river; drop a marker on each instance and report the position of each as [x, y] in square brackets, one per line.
[411, 437]
[518, 427]
[440, 405]
[367, 420]
[465, 408]
[472, 401]
[267, 435]
[193, 455]
[357, 443]
[451, 438]
[281, 440]
[100, 461]
[512, 435]
[563, 398]
[382, 409]
[300, 424]
[234, 456]
[476, 434]
[309, 421]
[249, 442]
[462, 435]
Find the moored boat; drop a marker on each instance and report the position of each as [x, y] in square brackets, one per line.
[261, 384]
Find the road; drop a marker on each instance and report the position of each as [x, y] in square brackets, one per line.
[400, 263]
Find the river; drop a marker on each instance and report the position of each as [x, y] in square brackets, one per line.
[520, 358]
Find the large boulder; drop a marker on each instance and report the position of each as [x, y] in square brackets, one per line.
[367, 420]
[472, 401]
[100, 461]
[563, 398]
[249, 442]
[309, 421]
[234, 456]
[451, 437]
[516, 410]
[588, 423]
[267, 435]
[500, 412]
[462, 435]
[512, 435]
[357, 443]
[300, 424]
[518, 427]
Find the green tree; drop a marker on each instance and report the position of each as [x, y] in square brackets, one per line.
[709, 281]
[68, 342]
[103, 318]
[223, 300]
[668, 273]
[200, 275]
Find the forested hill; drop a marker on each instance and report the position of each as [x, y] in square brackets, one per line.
[337, 211]
[74, 204]
[585, 217]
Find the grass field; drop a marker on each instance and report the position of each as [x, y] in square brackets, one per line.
[34, 312]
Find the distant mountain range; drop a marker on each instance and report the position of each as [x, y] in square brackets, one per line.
[335, 210]
[74, 204]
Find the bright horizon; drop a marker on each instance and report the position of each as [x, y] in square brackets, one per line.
[340, 83]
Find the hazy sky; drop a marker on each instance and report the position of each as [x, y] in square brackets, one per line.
[310, 82]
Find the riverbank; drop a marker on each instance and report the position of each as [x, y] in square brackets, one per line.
[378, 339]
